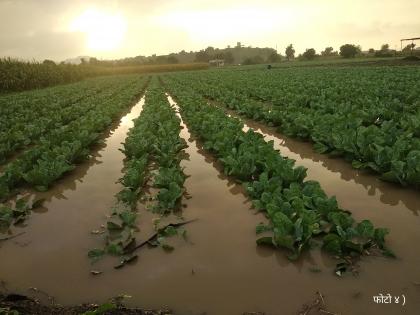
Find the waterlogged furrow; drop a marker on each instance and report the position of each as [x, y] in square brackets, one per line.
[299, 211]
[58, 152]
[30, 115]
[373, 126]
[153, 150]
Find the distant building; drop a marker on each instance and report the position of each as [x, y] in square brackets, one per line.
[77, 60]
[217, 62]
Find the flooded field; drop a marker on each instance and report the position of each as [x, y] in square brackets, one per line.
[218, 270]
[209, 158]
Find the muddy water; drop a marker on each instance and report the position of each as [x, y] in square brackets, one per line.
[219, 270]
[367, 197]
[52, 253]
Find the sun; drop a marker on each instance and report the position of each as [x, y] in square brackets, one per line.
[104, 31]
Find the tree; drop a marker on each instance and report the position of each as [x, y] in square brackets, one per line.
[248, 61]
[210, 50]
[253, 61]
[309, 54]
[290, 52]
[172, 59]
[328, 51]
[228, 56]
[161, 59]
[349, 51]
[408, 48]
[202, 56]
[218, 54]
[93, 61]
[48, 62]
[274, 57]
[371, 51]
[385, 47]
[384, 52]
[258, 59]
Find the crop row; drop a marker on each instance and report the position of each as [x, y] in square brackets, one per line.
[153, 150]
[372, 121]
[16, 75]
[31, 115]
[66, 145]
[299, 211]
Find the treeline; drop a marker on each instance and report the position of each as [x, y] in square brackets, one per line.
[238, 54]
[16, 75]
[353, 51]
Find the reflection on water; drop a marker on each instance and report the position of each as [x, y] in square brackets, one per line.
[385, 204]
[230, 215]
[389, 193]
[71, 180]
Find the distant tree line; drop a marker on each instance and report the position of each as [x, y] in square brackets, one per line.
[351, 51]
[240, 54]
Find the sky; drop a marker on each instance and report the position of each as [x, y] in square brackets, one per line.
[107, 29]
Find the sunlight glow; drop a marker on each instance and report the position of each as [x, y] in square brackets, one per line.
[104, 31]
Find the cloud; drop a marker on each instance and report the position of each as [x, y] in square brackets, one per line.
[43, 45]
[40, 28]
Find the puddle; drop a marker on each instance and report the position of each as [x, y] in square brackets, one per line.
[219, 270]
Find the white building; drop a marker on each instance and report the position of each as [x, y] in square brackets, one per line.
[217, 62]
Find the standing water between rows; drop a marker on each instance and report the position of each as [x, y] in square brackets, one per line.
[219, 270]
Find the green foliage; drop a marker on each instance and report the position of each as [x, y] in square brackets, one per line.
[101, 309]
[371, 122]
[96, 254]
[8, 311]
[290, 52]
[153, 143]
[16, 75]
[298, 211]
[61, 123]
[309, 54]
[349, 51]
[168, 197]
[17, 213]
[45, 172]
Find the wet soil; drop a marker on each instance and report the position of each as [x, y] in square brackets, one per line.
[28, 306]
[219, 270]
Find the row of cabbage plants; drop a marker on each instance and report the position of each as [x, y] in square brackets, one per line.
[368, 116]
[300, 214]
[62, 147]
[153, 150]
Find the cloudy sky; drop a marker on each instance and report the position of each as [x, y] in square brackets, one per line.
[59, 29]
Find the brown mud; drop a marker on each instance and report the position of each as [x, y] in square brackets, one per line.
[28, 306]
[219, 270]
